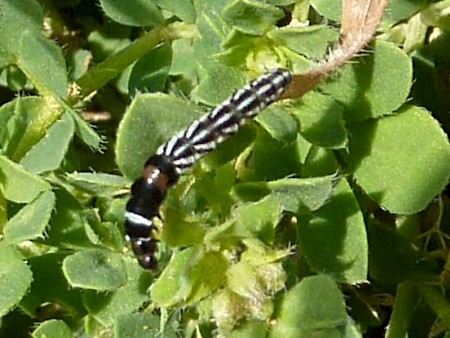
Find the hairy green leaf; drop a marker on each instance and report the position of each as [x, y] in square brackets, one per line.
[137, 13]
[258, 219]
[19, 185]
[49, 152]
[141, 325]
[170, 288]
[95, 269]
[30, 222]
[109, 307]
[84, 130]
[312, 41]
[321, 120]
[27, 120]
[98, 184]
[48, 268]
[49, 77]
[375, 86]
[250, 329]
[401, 161]
[330, 10]
[146, 124]
[15, 275]
[313, 305]
[252, 17]
[15, 17]
[206, 275]
[150, 73]
[281, 126]
[68, 226]
[52, 328]
[334, 239]
[219, 83]
[296, 195]
[185, 10]
[402, 9]
[393, 258]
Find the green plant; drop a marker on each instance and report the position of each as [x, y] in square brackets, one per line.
[310, 221]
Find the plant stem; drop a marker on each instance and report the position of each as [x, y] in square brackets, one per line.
[436, 300]
[109, 69]
[405, 303]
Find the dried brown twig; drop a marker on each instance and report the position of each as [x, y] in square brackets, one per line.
[360, 19]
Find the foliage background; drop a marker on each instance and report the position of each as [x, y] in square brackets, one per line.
[324, 217]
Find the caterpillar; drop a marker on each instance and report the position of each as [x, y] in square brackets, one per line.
[179, 153]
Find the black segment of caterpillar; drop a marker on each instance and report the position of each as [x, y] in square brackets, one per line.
[179, 153]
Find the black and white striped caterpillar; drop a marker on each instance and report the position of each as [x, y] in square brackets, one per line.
[179, 153]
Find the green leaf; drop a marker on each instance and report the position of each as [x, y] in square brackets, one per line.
[375, 86]
[330, 10]
[68, 225]
[52, 328]
[206, 275]
[249, 330]
[437, 15]
[5, 58]
[49, 152]
[98, 184]
[15, 17]
[258, 219]
[185, 10]
[212, 30]
[149, 74]
[219, 200]
[238, 46]
[15, 275]
[252, 17]
[179, 231]
[219, 83]
[27, 120]
[169, 289]
[268, 153]
[141, 325]
[76, 63]
[313, 305]
[320, 162]
[137, 13]
[393, 258]
[280, 125]
[231, 148]
[107, 308]
[19, 185]
[146, 124]
[85, 131]
[312, 41]
[334, 239]
[297, 195]
[402, 9]
[48, 268]
[99, 270]
[30, 222]
[401, 161]
[184, 61]
[255, 280]
[49, 77]
[320, 119]
[16, 79]
[280, 2]
[242, 279]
